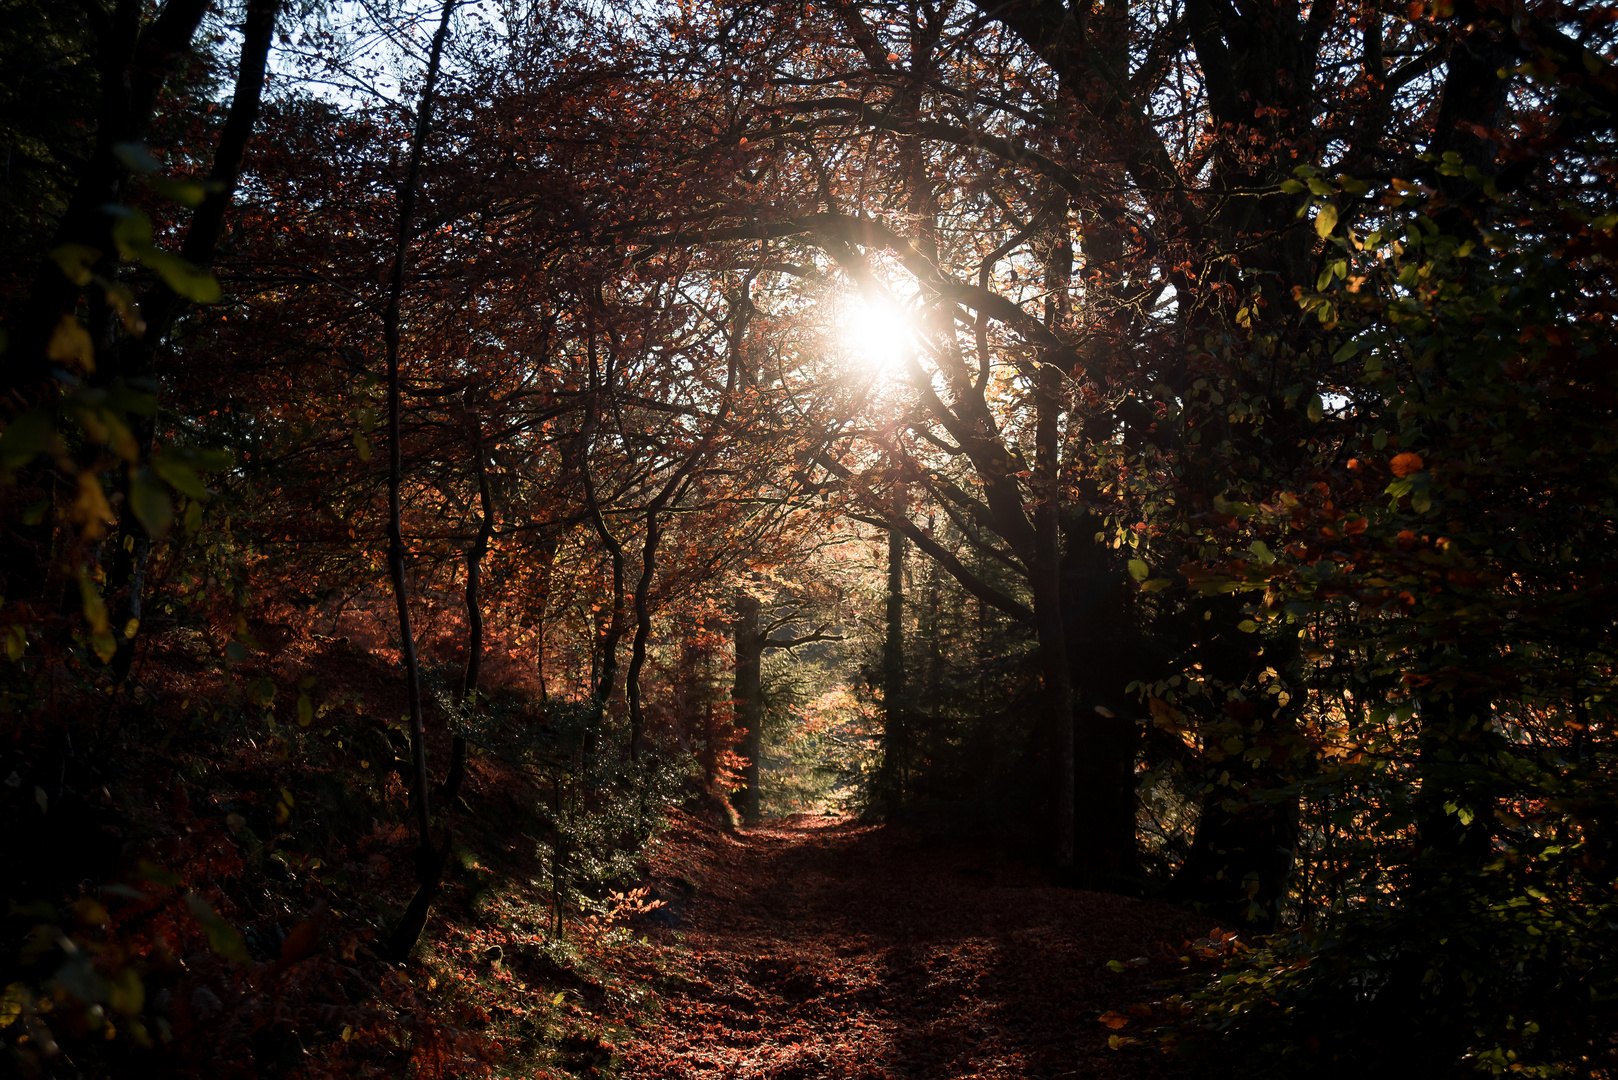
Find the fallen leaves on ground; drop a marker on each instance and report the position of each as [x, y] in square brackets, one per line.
[820, 947]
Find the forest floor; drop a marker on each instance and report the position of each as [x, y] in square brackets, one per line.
[821, 947]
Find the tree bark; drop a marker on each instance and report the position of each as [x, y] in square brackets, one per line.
[133, 64]
[643, 632]
[138, 355]
[474, 611]
[615, 624]
[396, 549]
[429, 863]
[1046, 579]
[749, 644]
[895, 741]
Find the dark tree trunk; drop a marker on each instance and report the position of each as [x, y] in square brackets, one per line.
[895, 735]
[643, 633]
[747, 692]
[396, 548]
[1241, 855]
[1046, 578]
[474, 612]
[138, 356]
[1105, 648]
[133, 64]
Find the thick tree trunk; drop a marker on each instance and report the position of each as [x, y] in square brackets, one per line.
[138, 356]
[1241, 856]
[747, 692]
[1046, 578]
[1104, 651]
[1457, 749]
[895, 737]
[608, 676]
[643, 633]
[474, 612]
[133, 65]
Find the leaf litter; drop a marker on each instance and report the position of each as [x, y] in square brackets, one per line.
[823, 947]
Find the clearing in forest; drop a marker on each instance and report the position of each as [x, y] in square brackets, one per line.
[820, 947]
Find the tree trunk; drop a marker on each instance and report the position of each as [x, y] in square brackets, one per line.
[474, 612]
[749, 644]
[137, 357]
[643, 632]
[396, 550]
[429, 863]
[134, 64]
[1240, 862]
[1104, 654]
[895, 737]
[615, 626]
[1046, 578]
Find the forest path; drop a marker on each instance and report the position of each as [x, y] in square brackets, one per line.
[819, 947]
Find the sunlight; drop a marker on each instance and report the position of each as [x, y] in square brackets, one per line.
[878, 335]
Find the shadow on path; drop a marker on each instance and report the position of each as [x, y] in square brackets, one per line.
[818, 947]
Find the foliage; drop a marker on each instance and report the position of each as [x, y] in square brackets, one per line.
[1445, 577]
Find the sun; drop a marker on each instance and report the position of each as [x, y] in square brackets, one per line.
[879, 335]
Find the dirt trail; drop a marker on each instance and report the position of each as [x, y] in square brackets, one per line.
[823, 948]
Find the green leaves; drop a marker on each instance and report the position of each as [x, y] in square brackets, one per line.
[178, 467]
[223, 938]
[133, 234]
[151, 504]
[26, 437]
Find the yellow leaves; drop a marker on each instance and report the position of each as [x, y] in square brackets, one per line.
[76, 261]
[1325, 220]
[91, 512]
[125, 992]
[11, 1003]
[90, 912]
[70, 344]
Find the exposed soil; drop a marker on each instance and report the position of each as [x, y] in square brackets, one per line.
[819, 947]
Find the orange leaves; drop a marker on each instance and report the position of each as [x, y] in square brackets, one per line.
[1114, 1020]
[1406, 463]
[1163, 714]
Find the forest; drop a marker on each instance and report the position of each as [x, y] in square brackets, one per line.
[808, 538]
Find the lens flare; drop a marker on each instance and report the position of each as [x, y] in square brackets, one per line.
[878, 335]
